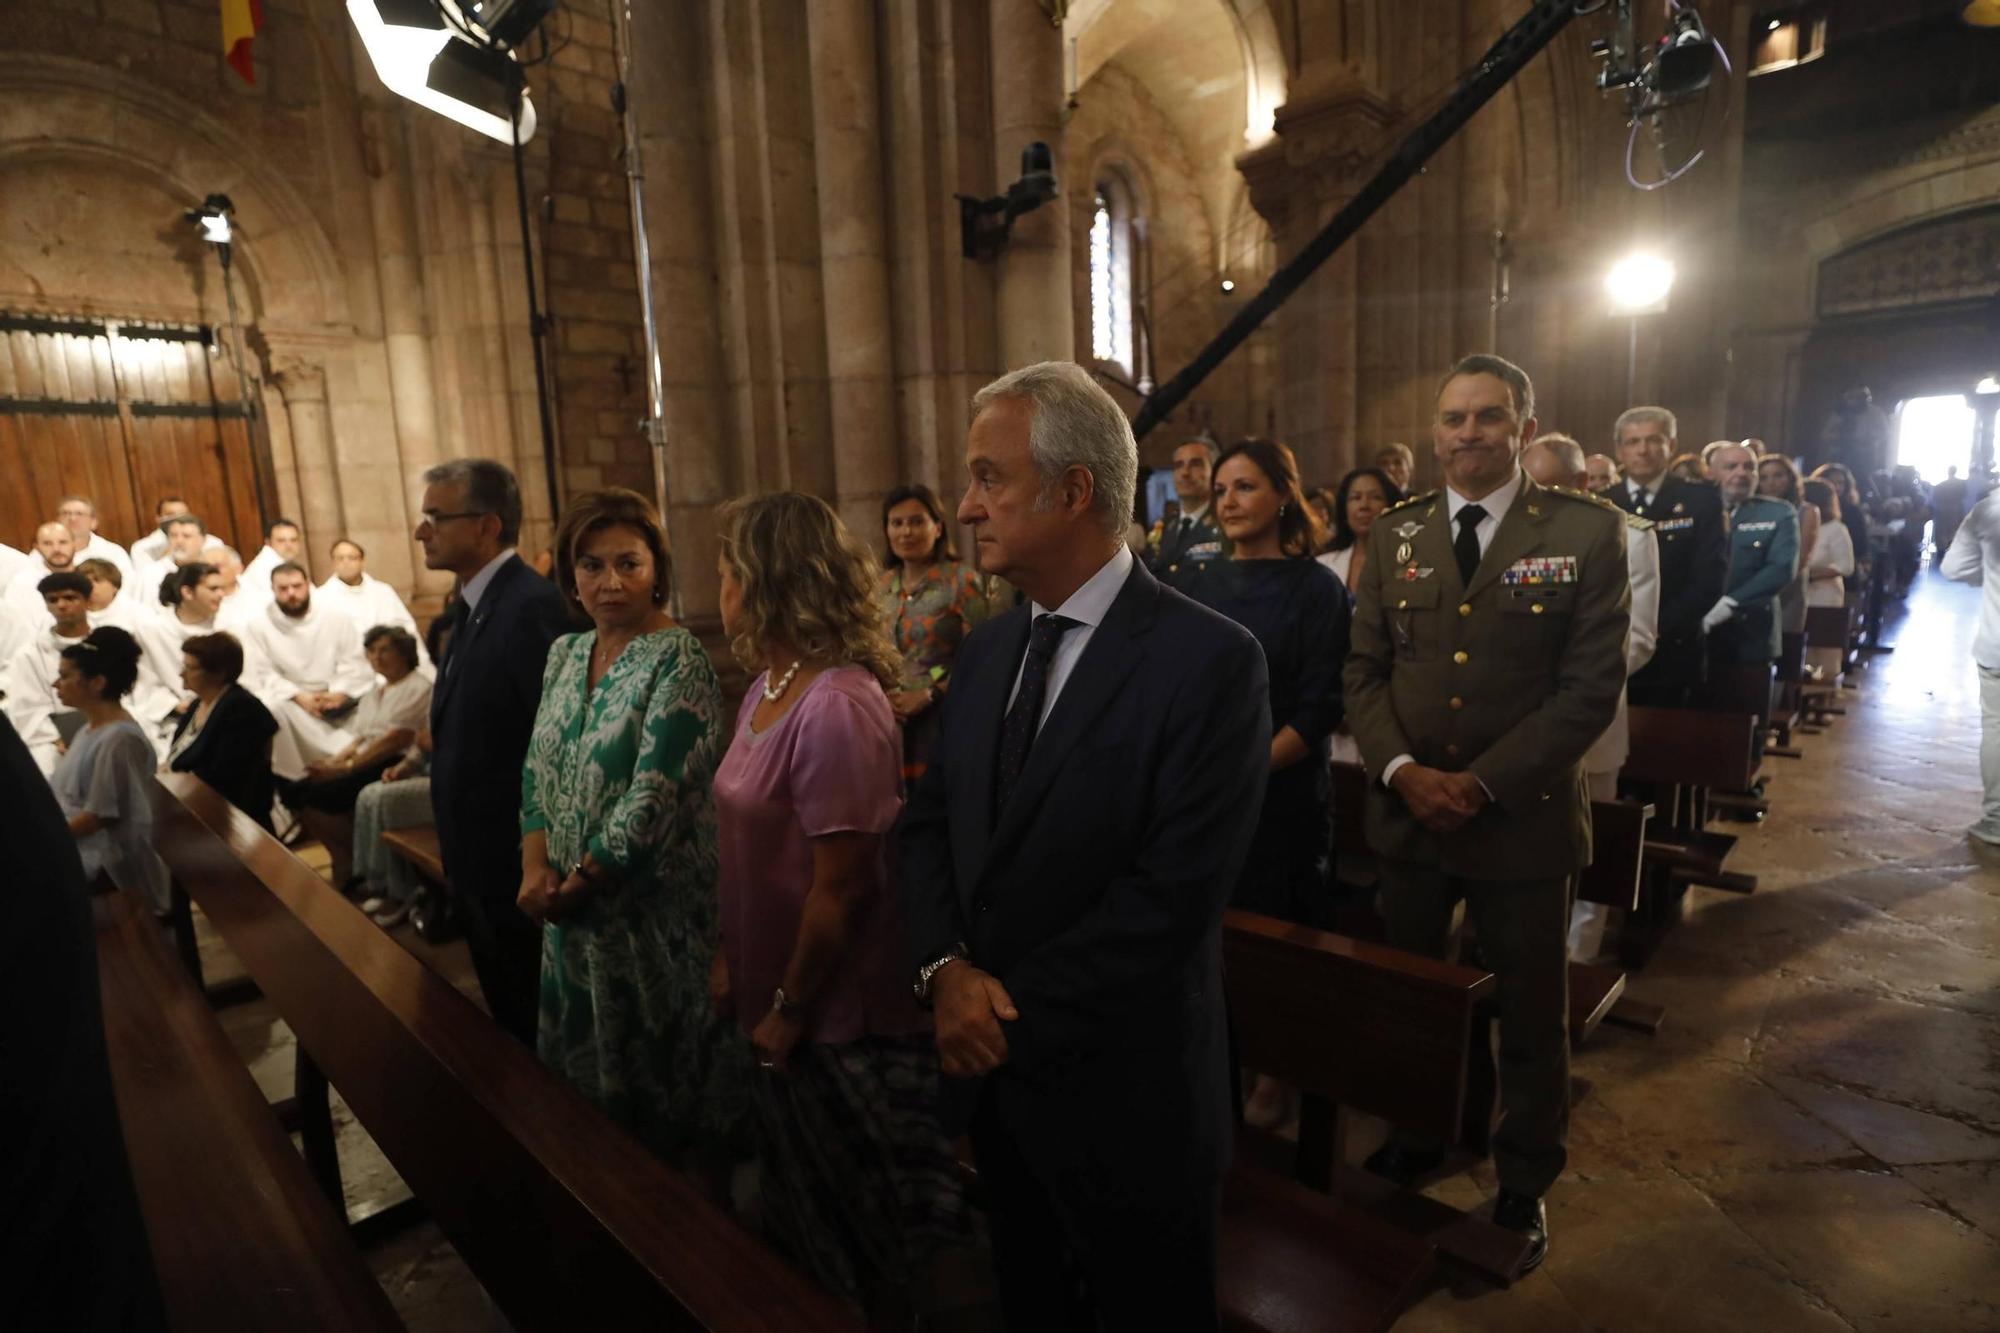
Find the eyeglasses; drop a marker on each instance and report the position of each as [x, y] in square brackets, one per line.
[433, 517]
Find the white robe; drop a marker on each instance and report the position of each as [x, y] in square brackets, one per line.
[29, 678]
[99, 547]
[24, 595]
[14, 631]
[320, 650]
[370, 603]
[11, 561]
[152, 548]
[256, 578]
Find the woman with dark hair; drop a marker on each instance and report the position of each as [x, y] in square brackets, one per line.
[1364, 493]
[225, 739]
[1300, 613]
[618, 846]
[1853, 515]
[931, 602]
[104, 779]
[386, 722]
[1778, 479]
[1829, 562]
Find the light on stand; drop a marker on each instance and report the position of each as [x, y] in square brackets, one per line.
[417, 55]
[1639, 284]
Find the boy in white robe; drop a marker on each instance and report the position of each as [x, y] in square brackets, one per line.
[29, 675]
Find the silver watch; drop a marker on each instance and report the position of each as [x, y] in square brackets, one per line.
[932, 968]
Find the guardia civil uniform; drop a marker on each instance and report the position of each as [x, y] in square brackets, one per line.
[1179, 551]
[1510, 676]
[1763, 538]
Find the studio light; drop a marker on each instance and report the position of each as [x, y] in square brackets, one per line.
[1991, 384]
[419, 55]
[1228, 286]
[212, 219]
[1982, 13]
[1639, 284]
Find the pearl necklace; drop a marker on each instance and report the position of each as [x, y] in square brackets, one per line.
[774, 690]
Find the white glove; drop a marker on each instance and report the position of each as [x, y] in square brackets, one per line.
[1723, 609]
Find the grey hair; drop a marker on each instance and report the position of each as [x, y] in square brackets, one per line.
[1714, 447]
[1636, 414]
[1564, 450]
[1073, 422]
[490, 488]
[1500, 368]
[84, 500]
[1208, 446]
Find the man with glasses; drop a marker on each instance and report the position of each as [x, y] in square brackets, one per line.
[482, 710]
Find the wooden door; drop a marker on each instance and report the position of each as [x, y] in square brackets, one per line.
[123, 415]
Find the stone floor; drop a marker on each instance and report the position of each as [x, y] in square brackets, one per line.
[1811, 1142]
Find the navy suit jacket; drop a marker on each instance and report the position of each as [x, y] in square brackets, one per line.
[1096, 896]
[482, 713]
[1694, 561]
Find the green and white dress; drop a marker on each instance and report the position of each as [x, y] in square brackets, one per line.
[624, 773]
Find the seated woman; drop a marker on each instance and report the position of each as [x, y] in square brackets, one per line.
[225, 739]
[618, 846]
[385, 723]
[859, 1181]
[104, 779]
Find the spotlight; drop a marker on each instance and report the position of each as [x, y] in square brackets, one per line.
[212, 219]
[1639, 283]
[418, 54]
[1991, 384]
[1228, 286]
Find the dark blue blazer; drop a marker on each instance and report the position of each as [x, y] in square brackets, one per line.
[1096, 896]
[482, 712]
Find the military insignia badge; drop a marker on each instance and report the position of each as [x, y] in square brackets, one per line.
[1407, 531]
[1538, 570]
[1413, 572]
[1403, 552]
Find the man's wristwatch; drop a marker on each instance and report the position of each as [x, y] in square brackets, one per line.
[932, 968]
[783, 1004]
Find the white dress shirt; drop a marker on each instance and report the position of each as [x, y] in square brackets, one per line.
[1974, 557]
[1087, 606]
[475, 587]
[1496, 506]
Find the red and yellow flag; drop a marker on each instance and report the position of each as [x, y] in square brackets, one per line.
[241, 21]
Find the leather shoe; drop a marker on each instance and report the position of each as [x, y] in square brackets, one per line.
[1404, 1166]
[1524, 1215]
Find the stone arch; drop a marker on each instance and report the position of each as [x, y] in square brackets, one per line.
[145, 141]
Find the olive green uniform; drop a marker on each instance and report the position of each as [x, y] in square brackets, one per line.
[1511, 678]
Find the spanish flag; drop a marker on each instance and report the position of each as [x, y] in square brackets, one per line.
[241, 21]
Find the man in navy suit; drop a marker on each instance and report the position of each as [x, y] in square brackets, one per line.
[482, 710]
[1694, 558]
[1065, 862]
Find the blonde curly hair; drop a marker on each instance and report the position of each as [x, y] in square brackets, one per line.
[806, 581]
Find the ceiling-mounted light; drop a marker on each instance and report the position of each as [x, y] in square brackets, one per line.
[1228, 286]
[419, 55]
[1982, 13]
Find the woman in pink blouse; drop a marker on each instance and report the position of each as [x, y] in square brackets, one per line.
[859, 1182]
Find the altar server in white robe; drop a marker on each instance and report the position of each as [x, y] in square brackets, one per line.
[240, 605]
[366, 600]
[152, 548]
[78, 513]
[55, 551]
[310, 670]
[282, 546]
[187, 544]
[110, 603]
[29, 674]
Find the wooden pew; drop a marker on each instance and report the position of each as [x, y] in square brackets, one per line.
[241, 1236]
[418, 844]
[565, 1218]
[1362, 1027]
[1827, 627]
[1683, 753]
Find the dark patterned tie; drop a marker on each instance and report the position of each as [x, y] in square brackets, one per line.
[1466, 547]
[1017, 733]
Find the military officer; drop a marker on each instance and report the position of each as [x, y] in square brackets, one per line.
[1687, 520]
[1744, 632]
[1488, 654]
[1181, 548]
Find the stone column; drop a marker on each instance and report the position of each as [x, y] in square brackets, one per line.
[301, 378]
[854, 257]
[1033, 310]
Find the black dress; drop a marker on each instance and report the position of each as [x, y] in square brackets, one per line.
[233, 752]
[1300, 613]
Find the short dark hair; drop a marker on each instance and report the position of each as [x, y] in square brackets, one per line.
[1515, 378]
[1344, 535]
[174, 587]
[612, 507]
[277, 523]
[217, 654]
[289, 567]
[1213, 449]
[103, 570]
[347, 541]
[945, 548]
[109, 654]
[164, 501]
[490, 488]
[65, 580]
[399, 638]
[1298, 527]
[178, 519]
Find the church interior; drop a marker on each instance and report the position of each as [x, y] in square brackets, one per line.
[752, 246]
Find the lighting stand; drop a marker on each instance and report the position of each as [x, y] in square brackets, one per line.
[222, 252]
[537, 325]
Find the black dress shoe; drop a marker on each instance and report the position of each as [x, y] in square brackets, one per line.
[1404, 1166]
[1524, 1214]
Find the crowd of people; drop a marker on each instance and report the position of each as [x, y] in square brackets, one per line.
[957, 863]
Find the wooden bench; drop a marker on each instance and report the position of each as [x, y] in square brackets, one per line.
[241, 1236]
[1361, 1027]
[418, 844]
[1618, 829]
[1684, 754]
[565, 1218]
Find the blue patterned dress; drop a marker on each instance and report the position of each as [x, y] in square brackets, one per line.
[624, 772]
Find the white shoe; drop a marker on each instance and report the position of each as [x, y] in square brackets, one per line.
[392, 915]
[374, 903]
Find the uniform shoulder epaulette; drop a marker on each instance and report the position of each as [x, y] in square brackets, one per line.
[1636, 522]
[1570, 492]
[1404, 503]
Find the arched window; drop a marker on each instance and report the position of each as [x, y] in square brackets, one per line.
[1113, 275]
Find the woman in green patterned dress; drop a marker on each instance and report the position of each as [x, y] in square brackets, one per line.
[618, 856]
[931, 602]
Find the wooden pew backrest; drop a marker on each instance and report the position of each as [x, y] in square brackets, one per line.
[1691, 747]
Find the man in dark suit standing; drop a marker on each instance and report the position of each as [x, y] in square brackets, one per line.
[1189, 542]
[489, 685]
[1065, 863]
[1687, 519]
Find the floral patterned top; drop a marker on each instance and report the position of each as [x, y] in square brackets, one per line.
[930, 617]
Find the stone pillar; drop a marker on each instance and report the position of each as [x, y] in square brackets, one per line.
[1034, 314]
[854, 257]
[302, 380]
